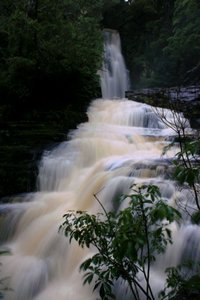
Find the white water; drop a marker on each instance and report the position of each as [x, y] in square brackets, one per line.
[120, 144]
[114, 75]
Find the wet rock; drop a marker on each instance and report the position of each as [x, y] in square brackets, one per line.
[183, 99]
[22, 142]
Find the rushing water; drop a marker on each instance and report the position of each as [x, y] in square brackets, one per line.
[114, 75]
[121, 144]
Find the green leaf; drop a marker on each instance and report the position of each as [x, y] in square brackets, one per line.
[88, 278]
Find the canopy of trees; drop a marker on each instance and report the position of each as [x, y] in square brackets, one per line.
[49, 50]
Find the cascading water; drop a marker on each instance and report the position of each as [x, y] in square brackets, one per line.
[121, 144]
[114, 76]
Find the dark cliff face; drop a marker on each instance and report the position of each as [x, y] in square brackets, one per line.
[183, 99]
[22, 141]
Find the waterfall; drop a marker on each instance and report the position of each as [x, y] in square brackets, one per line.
[121, 144]
[114, 75]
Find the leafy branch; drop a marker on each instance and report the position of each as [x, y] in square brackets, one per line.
[126, 242]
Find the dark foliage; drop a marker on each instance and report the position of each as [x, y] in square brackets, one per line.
[50, 52]
[160, 39]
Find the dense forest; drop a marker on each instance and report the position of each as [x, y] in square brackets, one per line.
[53, 49]
[50, 52]
[161, 40]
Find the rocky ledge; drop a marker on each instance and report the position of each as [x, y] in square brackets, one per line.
[183, 99]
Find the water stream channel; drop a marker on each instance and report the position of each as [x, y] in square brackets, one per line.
[121, 144]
